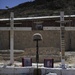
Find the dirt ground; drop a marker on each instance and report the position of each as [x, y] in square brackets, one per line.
[70, 57]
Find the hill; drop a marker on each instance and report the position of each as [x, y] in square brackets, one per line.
[41, 8]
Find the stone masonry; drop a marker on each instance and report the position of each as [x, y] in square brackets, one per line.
[24, 40]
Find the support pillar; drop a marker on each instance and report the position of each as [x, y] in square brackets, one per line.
[62, 39]
[11, 38]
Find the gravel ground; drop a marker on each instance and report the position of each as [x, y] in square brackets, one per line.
[70, 57]
[70, 60]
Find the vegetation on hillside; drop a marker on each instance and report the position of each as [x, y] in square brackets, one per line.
[41, 8]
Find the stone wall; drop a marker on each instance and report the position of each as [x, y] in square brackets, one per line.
[49, 47]
[24, 39]
[4, 40]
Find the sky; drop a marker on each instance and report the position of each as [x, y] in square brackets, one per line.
[11, 3]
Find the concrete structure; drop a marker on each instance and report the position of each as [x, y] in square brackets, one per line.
[38, 27]
[29, 70]
[24, 28]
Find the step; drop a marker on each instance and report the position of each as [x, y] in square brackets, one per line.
[8, 55]
[5, 54]
[8, 51]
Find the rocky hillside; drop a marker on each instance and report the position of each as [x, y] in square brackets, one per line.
[41, 8]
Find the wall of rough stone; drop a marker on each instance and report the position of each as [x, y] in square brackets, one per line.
[4, 40]
[70, 40]
[24, 39]
[49, 47]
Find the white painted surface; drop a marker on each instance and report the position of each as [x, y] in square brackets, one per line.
[63, 61]
[30, 28]
[41, 17]
[62, 39]
[68, 72]
[52, 70]
[51, 28]
[59, 71]
[5, 28]
[51, 74]
[25, 70]
[69, 28]
[58, 28]
[9, 70]
[22, 28]
[16, 28]
[11, 38]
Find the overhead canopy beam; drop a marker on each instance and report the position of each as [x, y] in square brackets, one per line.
[37, 18]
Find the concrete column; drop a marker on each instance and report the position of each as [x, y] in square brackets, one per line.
[11, 38]
[62, 39]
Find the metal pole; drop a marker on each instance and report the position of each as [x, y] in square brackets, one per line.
[37, 55]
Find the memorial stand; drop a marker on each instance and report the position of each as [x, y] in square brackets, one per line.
[37, 37]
